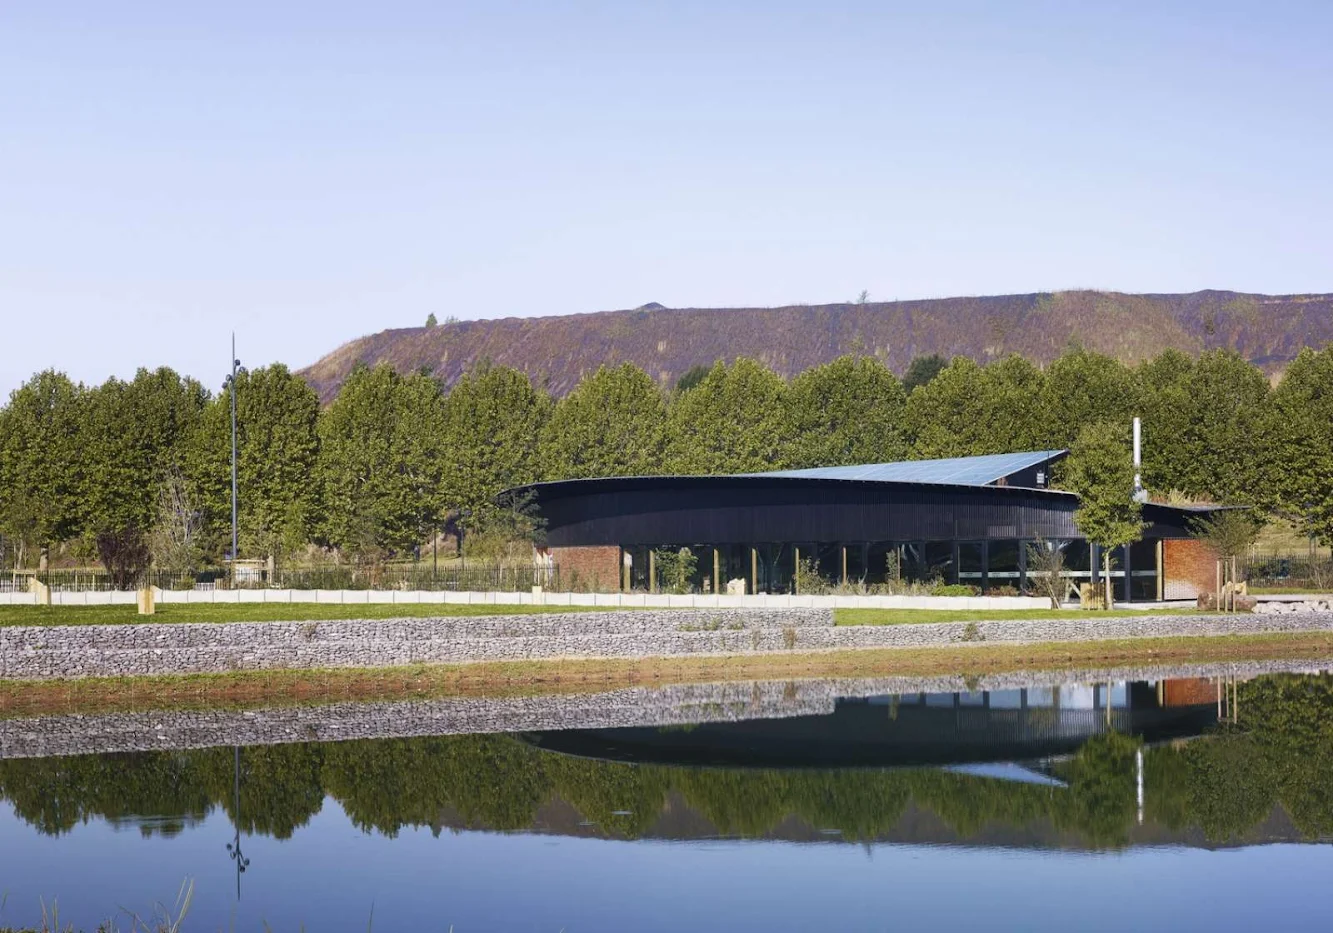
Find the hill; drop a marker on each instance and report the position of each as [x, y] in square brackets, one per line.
[1266, 329]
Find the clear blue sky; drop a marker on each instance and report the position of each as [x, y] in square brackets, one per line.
[309, 172]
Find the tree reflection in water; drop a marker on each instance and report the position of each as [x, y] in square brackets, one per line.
[1279, 755]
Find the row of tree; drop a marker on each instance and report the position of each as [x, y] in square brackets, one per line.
[139, 469]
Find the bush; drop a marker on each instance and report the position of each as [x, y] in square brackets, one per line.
[1005, 590]
[954, 589]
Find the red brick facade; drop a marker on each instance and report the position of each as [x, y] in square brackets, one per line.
[1189, 568]
[594, 568]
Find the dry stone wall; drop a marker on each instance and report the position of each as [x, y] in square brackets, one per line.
[155, 649]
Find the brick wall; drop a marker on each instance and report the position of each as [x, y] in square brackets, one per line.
[588, 568]
[1189, 567]
[1188, 691]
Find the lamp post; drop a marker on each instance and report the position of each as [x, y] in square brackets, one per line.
[234, 847]
[231, 385]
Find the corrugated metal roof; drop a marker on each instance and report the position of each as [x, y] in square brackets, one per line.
[958, 471]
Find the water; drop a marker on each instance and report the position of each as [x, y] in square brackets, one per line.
[1196, 802]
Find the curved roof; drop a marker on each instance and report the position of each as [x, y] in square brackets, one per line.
[953, 471]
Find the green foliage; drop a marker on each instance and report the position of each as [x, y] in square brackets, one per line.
[1230, 533]
[691, 378]
[1301, 442]
[382, 462]
[922, 370]
[1100, 469]
[40, 458]
[431, 320]
[808, 581]
[133, 438]
[674, 569]
[846, 412]
[969, 409]
[733, 421]
[277, 439]
[1081, 388]
[612, 424]
[493, 418]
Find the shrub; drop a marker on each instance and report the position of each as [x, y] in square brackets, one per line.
[954, 589]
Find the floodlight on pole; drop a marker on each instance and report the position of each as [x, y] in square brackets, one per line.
[231, 384]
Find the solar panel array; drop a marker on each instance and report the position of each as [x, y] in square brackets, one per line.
[956, 471]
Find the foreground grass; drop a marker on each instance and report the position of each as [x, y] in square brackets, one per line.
[261, 612]
[911, 616]
[246, 690]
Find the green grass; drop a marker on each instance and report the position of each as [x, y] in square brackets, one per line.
[260, 612]
[917, 616]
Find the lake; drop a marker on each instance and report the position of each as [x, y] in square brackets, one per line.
[1192, 799]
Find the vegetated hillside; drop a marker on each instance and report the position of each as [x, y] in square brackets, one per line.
[556, 351]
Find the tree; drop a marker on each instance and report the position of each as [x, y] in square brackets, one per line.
[1046, 570]
[1300, 436]
[1225, 442]
[133, 437]
[846, 412]
[40, 462]
[1229, 533]
[691, 378]
[431, 320]
[382, 462]
[1100, 470]
[493, 418]
[277, 440]
[922, 370]
[733, 421]
[174, 544]
[675, 569]
[1165, 407]
[968, 409]
[612, 424]
[1080, 388]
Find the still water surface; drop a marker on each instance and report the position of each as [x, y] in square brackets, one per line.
[1187, 804]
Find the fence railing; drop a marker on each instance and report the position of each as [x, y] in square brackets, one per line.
[476, 579]
[1295, 572]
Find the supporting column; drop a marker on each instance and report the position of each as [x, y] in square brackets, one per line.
[796, 571]
[626, 581]
[844, 565]
[1161, 574]
[754, 571]
[717, 582]
[652, 572]
[1129, 575]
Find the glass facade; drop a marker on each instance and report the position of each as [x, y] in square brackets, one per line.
[998, 564]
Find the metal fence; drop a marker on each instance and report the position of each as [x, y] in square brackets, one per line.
[475, 579]
[1293, 572]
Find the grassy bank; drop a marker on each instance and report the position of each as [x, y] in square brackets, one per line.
[262, 612]
[910, 616]
[526, 678]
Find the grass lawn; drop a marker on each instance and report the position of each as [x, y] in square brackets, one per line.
[916, 616]
[260, 612]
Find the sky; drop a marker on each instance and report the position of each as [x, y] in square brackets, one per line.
[307, 172]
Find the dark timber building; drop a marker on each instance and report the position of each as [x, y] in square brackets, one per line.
[965, 520]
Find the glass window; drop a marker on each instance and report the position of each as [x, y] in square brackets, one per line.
[970, 563]
[937, 561]
[1002, 559]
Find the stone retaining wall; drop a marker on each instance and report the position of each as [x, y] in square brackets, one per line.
[33, 652]
[637, 706]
